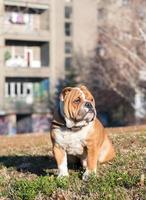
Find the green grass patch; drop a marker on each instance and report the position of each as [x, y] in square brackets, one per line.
[21, 177]
[113, 185]
[25, 189]
[111, 182]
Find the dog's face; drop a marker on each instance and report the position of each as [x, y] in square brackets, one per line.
[77, 106]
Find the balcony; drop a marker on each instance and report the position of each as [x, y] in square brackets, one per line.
[26, 95]
[32, 35]
[43, 4]
[26, 59]
[42, 72]
[22, 105]
[26, 24]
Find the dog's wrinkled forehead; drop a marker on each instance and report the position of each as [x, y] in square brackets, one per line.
[77, 93]
[74, 92]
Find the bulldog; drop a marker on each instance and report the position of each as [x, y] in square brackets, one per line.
[76, 131]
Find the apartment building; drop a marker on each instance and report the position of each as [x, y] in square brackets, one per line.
[24, 66]
[37, 42]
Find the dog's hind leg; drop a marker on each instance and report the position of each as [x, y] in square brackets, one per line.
[107, 151]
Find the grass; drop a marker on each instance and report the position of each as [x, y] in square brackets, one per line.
[30, 189]
[28, 171]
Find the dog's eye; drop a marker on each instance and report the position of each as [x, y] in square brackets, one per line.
[92, 100]
[77, 100]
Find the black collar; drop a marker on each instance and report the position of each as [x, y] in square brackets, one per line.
[62, 124]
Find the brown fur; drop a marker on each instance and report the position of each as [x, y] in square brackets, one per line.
[96, 143]
[98, 146]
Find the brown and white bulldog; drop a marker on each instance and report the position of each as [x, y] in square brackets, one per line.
[76, 131]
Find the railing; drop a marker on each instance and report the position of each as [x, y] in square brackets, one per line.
[26, 104]
[34, 1]
[24, 30]
[28, 1]
[26, 23]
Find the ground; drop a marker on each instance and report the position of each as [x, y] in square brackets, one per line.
[28, 170]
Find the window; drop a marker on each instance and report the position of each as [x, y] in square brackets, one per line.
[16, 89]
[68, 12]
[28, 91]
[12, 89]
[9, 90]
[101, 13]
[68, 47]
[21, 88]
[16, 92]
[19, 18]
[26, 88]
[68, 27]
[125, 2]
[68, 63]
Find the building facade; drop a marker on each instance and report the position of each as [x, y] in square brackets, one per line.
[37, 42]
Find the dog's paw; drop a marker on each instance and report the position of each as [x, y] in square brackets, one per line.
[63, 174]
[84, 163]
[87, 174]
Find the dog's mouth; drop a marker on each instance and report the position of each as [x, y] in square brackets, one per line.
[90, 115]
[91, 111]
[87, 117]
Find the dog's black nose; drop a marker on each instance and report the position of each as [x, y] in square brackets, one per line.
[88, 105]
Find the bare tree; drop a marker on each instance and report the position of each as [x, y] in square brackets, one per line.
[120, 55]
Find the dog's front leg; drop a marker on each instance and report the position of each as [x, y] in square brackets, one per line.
[61, 159]
[92, 156]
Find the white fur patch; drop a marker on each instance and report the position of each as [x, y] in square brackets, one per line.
[104, 150]
[87, 173]
[63, 170]
[84, 163]
[82, 93]
[73, 142]
[69, 123]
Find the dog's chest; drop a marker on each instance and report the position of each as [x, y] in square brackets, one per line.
[72, 142]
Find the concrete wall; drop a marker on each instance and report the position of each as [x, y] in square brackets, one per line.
[83, 37]
[56, 42]
[2, 79]
[45, 20]
[84, 26]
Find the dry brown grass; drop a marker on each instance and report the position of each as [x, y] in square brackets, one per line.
[27, 169]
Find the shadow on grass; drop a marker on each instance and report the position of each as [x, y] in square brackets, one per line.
[38, 165]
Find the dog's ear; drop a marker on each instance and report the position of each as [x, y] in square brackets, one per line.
[83, 87]
[64, 92]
